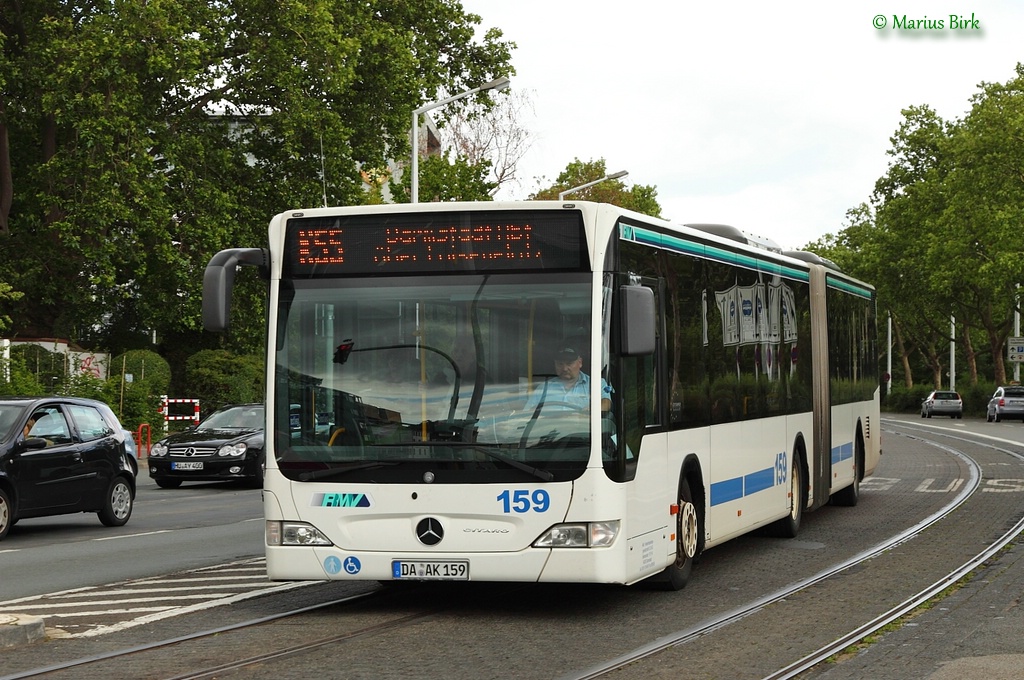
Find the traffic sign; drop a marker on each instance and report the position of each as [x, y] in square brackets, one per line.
[1015, 349]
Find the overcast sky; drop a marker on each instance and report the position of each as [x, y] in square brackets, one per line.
[774, 117]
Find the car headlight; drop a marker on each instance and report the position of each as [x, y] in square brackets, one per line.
[159, 449]
[294, 533]
[232, 449]
[582, 535]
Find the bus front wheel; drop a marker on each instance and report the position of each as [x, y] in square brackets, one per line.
[677, 574]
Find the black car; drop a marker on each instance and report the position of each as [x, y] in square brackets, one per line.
[62, 455]
[226, 446]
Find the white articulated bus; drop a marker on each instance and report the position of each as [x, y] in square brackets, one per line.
[417, 423]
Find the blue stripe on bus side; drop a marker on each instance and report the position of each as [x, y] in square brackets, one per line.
[738, 487]
[842, 452]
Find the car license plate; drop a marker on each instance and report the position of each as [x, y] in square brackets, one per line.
[430, 570]
[186, 466]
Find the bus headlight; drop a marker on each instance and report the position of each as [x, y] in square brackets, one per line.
[294, 533]
[582, 535]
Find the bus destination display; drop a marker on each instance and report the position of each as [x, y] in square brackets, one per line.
[433, 242]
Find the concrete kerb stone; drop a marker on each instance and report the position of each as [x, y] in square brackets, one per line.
[20, 629]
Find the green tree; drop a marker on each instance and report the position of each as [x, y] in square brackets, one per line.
[219, 377]
[979, 261]
[136, 381]
[442, 178]
[941, 236]
[639, 198]
[137, 139]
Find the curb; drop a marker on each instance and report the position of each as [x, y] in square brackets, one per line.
[19, 629]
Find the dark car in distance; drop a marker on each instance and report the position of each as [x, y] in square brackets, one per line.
[943, 403]
[62, 455]
[1006, 402]
[226, 446]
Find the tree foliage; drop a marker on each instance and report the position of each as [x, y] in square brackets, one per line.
[137, 139]
[219, 377]
[941, 237]
[491, 132]
[443, 178]
[640, 198]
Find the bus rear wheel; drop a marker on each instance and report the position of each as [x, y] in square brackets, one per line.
[849, 496]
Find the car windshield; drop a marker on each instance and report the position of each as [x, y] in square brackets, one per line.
[947, 395]
[10, 415]
[1013, 392]
[235, 418]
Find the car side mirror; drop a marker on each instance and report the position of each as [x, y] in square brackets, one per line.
[31, 443]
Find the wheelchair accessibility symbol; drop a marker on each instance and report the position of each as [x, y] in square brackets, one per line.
[351, 565]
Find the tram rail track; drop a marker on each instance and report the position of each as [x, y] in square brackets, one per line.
[660, 653]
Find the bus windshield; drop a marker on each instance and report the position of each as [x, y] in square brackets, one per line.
[392, 378]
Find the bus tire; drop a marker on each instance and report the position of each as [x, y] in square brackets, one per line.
[789, 526]
[677, 575]
[849, 496]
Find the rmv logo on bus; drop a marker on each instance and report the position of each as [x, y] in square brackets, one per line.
[341, 500]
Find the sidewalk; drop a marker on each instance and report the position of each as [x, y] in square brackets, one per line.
[976, 631]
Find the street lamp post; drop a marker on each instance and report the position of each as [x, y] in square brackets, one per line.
[614, 175]
[496, 84]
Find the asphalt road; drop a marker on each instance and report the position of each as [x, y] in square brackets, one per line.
[529, 635]
[170, 530]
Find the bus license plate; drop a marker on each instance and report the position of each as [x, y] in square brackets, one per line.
[430, 570]
[186, 466]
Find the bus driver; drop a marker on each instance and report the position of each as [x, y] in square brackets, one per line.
[570, 385]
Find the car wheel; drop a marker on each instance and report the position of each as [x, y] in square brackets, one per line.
[6, 514]
[988, 417]
[997, 418]
[117, 507]
[168, 483]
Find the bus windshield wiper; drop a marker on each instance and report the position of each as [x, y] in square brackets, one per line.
[340, 470]
[496, 454]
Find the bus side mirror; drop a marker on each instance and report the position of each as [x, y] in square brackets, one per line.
[637, 320]
[219, 279]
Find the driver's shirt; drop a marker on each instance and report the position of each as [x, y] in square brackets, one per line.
[554, 391]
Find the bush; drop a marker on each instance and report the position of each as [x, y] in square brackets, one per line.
[218, 377]
[975, 397]
[17, 380]
[903, 400]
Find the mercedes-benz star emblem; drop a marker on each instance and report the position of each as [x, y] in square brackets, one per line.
[190, 451]
[429, 531]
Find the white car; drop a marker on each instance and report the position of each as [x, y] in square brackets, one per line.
[943, 403]
[1006, 402]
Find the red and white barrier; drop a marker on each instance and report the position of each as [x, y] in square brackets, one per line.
[165, 410]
